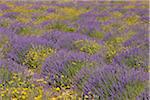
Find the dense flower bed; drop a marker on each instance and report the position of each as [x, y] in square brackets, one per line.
[74, 50]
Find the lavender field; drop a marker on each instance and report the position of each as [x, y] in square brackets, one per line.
[74, 50]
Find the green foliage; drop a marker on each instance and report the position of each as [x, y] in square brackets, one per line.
[133, 62]
[66, 79]
[105, 86]
[61, 27]
[83, 79]
[103, 19]
[70, 71]
[73, 68]
[4, 23]
[30, 31]
[96, 34]
[90, 47]
[4, 41]
[132, 90]
[5, 74]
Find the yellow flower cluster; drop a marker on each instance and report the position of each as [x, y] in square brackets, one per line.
[3, 41]
[41, 81]
[132, 20]
[23, 19]
[113, 46]
[67, 95]
[21, 93]
[64, 13]
[116, 14]
[36, 56]
[90, 47]
[1, 14]
[18, 89]
[129, 6]
[103, 19]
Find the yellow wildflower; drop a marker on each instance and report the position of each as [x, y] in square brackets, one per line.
[57, 89]
[2, 94]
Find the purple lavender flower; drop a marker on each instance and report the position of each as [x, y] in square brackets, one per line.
[56, 63]
[107, 82]
[133, 58]
[64, 63]
[3, 7]
[70, 64]
[50, 10]
[63, 39]
[21, 45]
[11, 15]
